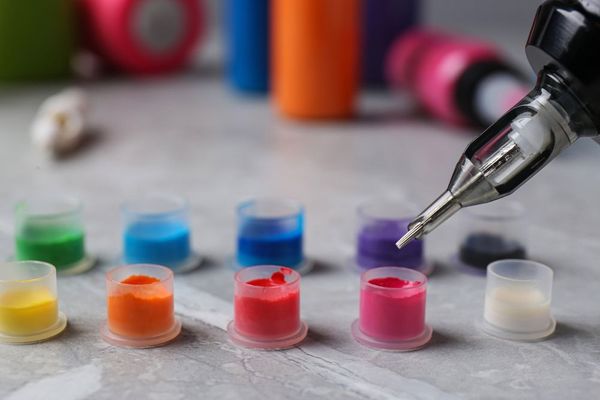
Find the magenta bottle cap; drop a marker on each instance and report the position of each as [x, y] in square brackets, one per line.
[392, 310]
[267, 308]
[459, 80]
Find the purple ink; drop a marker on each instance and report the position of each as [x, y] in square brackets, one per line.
[381, 224]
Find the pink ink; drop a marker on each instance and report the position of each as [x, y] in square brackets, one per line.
[392, 309]
[391, 282]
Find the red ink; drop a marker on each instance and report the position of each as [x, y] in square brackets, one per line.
[275, 280]
[140, 280]
[271, 309]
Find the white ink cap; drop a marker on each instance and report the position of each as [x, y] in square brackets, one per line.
[517, 300]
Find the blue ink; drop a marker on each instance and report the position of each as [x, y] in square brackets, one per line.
[270, 233]
[157, 242]
[283, 249]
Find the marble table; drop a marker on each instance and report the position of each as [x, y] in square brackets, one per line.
[191, 135]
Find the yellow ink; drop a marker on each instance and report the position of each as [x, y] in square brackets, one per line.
[27, 311]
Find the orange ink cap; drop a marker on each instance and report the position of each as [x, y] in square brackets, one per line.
[140, 306]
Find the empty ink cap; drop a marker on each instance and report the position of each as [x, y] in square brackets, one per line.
[381, 223]
[492, 232]
[266, 311]
[50, 228]
[517, 300]
[157, 231]
[29, 303]
[140, 306]
[392, 310]
[270, 232]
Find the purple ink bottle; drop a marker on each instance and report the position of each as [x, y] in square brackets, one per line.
[383, 21]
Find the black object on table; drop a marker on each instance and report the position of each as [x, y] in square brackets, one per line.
[481, 248]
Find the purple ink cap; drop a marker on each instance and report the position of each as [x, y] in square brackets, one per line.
[381, 223]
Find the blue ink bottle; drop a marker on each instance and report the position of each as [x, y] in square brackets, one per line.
[247, 31]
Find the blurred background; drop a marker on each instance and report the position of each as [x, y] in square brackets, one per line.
[325, 54]
[505, 24]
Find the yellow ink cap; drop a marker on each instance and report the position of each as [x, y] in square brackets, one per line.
[28, 302]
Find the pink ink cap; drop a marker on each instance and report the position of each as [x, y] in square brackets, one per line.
[392, 310]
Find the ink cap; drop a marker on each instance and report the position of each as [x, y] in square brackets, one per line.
[518, 295]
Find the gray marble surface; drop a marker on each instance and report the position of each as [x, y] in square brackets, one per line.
[192, 136]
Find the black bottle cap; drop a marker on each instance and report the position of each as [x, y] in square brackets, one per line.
[565, 40]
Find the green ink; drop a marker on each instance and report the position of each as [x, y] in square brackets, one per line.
[60, 246]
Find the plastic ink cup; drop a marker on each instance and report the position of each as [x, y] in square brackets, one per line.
[50, 229]
[267, 308]
[517, 300]
[381, 223]
[140, 306]
[493, 232]
[29, 303]
[270, 232]
[392, 310]
[157, 232]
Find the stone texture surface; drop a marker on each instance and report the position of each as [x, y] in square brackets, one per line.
[190, 135]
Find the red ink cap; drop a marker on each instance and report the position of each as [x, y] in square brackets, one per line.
[267, 308]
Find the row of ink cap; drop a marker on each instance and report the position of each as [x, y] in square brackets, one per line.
[270, 231]
[140, 306]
